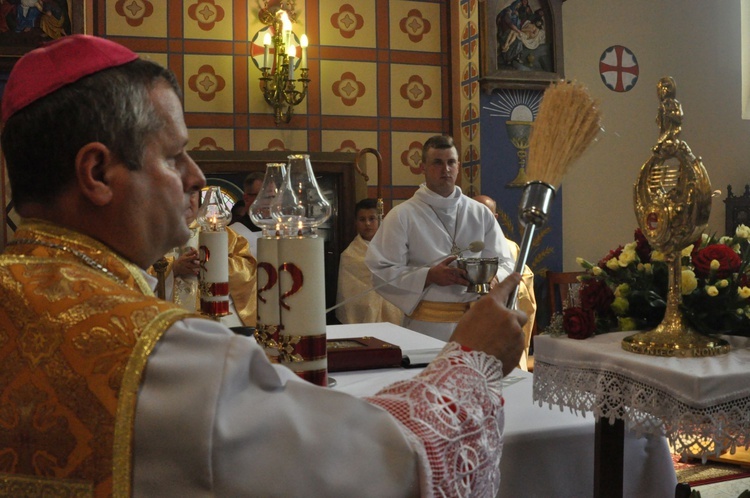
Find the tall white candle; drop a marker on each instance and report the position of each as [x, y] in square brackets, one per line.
[268, 282]
[214, 272]
[302, 303]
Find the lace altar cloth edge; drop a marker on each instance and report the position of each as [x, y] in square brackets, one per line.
[699, 404]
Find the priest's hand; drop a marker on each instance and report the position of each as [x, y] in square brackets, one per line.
[443, 274]
[187, 264]
[491, 327]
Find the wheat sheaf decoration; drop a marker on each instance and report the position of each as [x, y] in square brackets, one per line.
[567, 123]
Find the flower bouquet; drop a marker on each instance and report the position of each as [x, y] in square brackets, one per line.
[627, 289]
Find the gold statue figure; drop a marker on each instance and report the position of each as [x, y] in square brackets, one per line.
[672, 198]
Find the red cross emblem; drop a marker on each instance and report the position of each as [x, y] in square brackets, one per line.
[618, 68]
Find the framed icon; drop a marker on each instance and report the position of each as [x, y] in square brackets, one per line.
[521, 43]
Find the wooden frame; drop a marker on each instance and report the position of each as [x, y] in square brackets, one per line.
[507, 61]
[14, 44]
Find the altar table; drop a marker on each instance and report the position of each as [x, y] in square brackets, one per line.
[699, 404]
[546, 452]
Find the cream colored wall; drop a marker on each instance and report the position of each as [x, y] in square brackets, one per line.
[697, 42]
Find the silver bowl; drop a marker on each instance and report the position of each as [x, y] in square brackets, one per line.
[479, 272]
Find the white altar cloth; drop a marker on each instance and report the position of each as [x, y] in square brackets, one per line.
[546, 452]
[695, 402]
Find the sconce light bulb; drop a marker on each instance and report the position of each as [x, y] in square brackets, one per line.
[291, 51]
[303, 41]
[267, 39]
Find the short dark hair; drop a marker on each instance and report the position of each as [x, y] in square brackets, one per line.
[252, 178]
[113, 106]
[368, 203]
[437, 142]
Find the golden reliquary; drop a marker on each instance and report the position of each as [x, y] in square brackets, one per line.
[672, 198]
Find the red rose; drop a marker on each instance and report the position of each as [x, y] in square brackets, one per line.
[729, 261]
[578, 322]
[596, 296]
[642, 248]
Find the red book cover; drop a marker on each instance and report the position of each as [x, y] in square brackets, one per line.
[361, 353]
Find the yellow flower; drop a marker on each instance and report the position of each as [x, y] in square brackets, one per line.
[715, 265]
[712, 291]
[622, 290]
[689, 282]
[742, 232]
[628, 255]
[648, 268]
[722, 283]
[687, 251]
[626, 323]
[657, 256]
[612, 264]
[744, 292]
[620, 306]
[596, 271]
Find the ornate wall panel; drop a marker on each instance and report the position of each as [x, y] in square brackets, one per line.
[381, 76]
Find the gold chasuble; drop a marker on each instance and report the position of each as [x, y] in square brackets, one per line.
[77, 324]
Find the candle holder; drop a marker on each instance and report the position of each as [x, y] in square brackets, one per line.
[213, 217]
[278, 83]
[300, 206]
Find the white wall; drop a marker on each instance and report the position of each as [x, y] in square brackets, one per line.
[697, 42]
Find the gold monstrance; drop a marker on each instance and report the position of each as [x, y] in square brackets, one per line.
[672, 199]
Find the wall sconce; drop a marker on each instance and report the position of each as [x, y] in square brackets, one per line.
[280, 87]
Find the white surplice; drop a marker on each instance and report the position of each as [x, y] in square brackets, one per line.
[216, 418]
[354, 283]
[416, 235]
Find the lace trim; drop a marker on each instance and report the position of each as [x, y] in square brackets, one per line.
[699, 432]
[454, 409]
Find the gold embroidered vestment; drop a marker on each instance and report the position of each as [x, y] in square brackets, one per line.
[74, 341]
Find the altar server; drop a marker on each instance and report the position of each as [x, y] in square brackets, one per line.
[360, 303]
[111, 391]
[416, 248]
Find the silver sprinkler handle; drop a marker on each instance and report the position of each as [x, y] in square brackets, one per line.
[532, 212]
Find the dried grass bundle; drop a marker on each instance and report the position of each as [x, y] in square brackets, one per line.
[567, 122]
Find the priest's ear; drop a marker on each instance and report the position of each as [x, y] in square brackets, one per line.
[94, 168]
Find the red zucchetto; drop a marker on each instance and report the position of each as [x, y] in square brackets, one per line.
[50, 67]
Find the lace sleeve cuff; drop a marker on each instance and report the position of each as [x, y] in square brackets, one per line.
[453, 409]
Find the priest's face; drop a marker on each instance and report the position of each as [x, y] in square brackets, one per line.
[440, 170]
[367, 223]
[156, 204]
